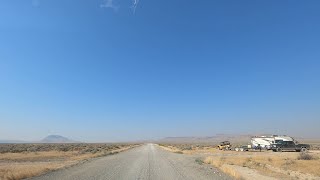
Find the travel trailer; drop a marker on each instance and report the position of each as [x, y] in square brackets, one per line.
[266, 142]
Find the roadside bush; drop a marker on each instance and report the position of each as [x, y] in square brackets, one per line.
[199, 161]
[80, 147]
[32, 149]
[186, 148]
[93, 151]
[305, 156]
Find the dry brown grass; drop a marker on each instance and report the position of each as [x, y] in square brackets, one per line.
[187, 148]
[220, 163]
[16, 166]
[172, 149]
[25, 170]
[284, 165]
[271, 164]
[35, 156]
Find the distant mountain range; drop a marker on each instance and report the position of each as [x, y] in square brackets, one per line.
[11, 142]
[233, 138]
[48, 139]
[209, 139]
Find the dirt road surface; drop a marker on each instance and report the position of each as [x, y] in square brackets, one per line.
[147, 162]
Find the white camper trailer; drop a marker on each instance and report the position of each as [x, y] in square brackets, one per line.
[265, 142]
[282, 138]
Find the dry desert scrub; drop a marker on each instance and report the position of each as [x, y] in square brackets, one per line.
[283, 165]
[305, 156]
[188, 148]
[18, 162]
[25, 170]
[220, 163]
[171, 148]
[277, 165]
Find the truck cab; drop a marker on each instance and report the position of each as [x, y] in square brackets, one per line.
[289, 146]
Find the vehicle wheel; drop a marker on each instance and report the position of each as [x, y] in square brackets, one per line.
[237, 149]
[279, 150]
[303, 150]
[241, 149]
[274, 150]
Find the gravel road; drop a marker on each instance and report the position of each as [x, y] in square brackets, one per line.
[145, 162]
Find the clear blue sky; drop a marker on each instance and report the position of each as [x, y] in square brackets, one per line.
[94, 70]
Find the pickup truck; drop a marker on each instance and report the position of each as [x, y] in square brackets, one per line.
[289, 146]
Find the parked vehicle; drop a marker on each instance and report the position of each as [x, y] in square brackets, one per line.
[290, 146]
[242, 148]
[265, 142]
[225, 145]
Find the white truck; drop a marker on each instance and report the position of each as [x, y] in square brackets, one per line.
[265, 142]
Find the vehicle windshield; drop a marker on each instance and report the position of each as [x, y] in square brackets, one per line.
[278, 141]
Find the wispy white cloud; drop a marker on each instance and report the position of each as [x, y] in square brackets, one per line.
[134, 5]
[109, 4]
